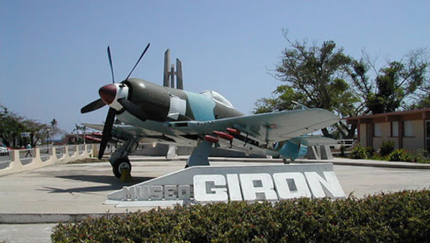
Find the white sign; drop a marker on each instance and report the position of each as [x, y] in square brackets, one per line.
[262, 186]
[202, 184]
[25, 134]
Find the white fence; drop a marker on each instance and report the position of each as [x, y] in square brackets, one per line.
[347, 143]
[28, 159]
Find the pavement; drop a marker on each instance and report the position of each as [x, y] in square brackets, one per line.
[33, 202]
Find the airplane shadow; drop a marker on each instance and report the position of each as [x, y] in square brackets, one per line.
[111, 183]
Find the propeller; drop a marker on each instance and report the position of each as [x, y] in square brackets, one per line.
[97, 104]
[107, 131]
[111, 65]
[138, 60]
[110, 118]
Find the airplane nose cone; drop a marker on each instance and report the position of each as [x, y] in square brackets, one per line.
[108, 93]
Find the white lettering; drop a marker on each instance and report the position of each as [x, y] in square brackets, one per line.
[331, 185]
[156, 192]
[257, 187]
[205, 188]
[291, 185]
[234, 187]
[238, 187]
[170, 192]
[128, 193]
[142, 192]
[184, 192]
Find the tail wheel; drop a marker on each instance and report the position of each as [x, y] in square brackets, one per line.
[119, 165]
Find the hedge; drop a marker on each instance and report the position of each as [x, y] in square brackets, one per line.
[394, 217]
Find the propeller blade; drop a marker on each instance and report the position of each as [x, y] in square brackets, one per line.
[107, 131]
[111, 65]
[133, 109]
[97, 104]
[138, 60]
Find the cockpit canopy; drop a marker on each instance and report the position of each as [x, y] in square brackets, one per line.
[217, 97]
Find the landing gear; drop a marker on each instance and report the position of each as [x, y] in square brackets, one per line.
[119, 165]
[119, 159]
[200, 155]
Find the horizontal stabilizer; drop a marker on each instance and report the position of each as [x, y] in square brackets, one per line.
[315, 140]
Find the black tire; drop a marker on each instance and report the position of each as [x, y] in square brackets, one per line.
[119, 164]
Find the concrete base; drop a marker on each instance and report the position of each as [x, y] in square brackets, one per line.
[319, 153]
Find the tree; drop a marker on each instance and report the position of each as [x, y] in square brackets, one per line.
[396, 86]
[286, 96]
[12, 125]
[315, 77]
[324, 77]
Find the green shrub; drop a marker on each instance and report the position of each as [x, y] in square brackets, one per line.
[386, 148]
[420, 156]
[369, 152]
[397, 155]
[395, 217]
[358, 152]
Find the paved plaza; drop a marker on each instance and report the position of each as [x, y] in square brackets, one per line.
[58, 191]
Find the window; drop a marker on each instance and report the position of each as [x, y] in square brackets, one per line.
[408, 129]
[217, 97]
[395, 129]
[377, 130]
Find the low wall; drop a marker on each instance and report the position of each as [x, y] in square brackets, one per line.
[28, 159]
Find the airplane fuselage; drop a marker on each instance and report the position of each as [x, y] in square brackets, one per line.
[155, 105]
[162, 104]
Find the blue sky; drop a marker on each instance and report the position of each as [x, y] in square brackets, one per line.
[53, 53]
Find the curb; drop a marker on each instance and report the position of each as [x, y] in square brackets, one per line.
[369, 163]
[335, 161]
[48, 218]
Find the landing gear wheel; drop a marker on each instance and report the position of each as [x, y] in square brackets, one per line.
[119, 165]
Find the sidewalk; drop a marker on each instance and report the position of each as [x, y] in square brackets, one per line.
[67, 192]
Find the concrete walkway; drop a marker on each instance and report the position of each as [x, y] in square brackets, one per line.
[67, 192]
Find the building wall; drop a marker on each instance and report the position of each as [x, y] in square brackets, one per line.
[416, 141]
[385, 135]
[363, 134]
[410, 133]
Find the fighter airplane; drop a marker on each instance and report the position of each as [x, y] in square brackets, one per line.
[177, 117]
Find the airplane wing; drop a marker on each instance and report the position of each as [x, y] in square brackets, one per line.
[125, 132]
[119, 131]
[268, 127]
